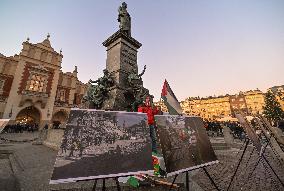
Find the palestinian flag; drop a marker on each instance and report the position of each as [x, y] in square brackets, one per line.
[170, 100]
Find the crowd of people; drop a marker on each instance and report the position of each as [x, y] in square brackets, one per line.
[217, 127]
[20, 128]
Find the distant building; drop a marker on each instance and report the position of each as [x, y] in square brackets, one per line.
[33, 89]
[254, 101]
[238, 103]
[211, 108]
[162, 105]
[208, 108]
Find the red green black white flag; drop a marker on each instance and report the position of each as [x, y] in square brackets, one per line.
[170, 100]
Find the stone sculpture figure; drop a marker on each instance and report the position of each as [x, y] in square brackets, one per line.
[135, 80]
[104, 81]
[99, 92]
[136, 88]
[124, 19]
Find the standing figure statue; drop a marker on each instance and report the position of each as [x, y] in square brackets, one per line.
[124, 19]
[135, 80]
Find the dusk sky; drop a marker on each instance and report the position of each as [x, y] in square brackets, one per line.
[202, 47]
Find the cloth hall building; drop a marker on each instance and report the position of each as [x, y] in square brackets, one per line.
[34, 90]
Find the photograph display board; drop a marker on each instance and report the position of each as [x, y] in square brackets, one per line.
[3, 123]
[101, 144]
[184, 143]
[249, 131]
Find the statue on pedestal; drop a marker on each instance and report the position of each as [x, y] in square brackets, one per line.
[124, 19]
[121, 87]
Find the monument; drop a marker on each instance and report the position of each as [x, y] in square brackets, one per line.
[121, 87]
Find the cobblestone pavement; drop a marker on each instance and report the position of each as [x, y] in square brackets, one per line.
[262, 178]
[18, 137]
[31, 167]
[7, 179]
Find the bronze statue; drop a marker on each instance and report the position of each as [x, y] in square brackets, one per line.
[105, 81]
[124, 19]
[99, 89]
[135, 80]
[129, 91]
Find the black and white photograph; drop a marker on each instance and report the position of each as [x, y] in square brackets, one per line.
[100, 144]
[184, 143]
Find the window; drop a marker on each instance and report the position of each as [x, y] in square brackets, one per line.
[61, 95]
[37, 83]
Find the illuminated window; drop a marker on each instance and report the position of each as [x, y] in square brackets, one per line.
[37, 83]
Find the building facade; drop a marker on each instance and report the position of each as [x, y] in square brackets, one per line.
[208, 108]
[161, 105]
[33, 89]
[254, 101]
[238, 103]
[212, 108]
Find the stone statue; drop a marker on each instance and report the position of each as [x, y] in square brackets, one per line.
[99, 89]
[136, 88]
[124, 19]
[140, 96]
[105, 81]
[135, 80]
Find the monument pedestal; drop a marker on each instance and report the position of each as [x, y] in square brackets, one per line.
[121, 62]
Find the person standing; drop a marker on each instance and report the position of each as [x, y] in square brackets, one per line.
[150, 110]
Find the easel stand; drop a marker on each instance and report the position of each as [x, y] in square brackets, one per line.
[211, 179]
[273, 170]
[187, 180]
[104, 184]
[264, 158]
[232, 178]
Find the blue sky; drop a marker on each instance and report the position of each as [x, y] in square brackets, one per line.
[202, 47]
